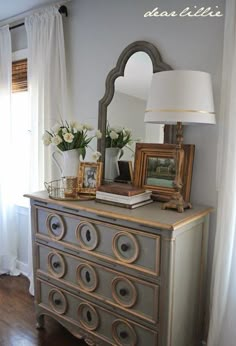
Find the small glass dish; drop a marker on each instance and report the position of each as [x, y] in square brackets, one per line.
[66, 188]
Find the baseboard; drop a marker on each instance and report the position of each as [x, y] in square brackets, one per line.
[23, 268]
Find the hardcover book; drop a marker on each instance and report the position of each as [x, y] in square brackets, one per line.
[121, 189]
[123, 199]
[124, 205]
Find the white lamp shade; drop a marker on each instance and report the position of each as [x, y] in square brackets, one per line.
[180, 96]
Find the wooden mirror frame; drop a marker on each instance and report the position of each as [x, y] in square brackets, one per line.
[117, 71]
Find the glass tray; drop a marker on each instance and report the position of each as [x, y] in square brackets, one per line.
[78, 198]
[57, 192]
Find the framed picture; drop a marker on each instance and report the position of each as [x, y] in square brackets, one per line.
[155, 169]
[90, 175]
[125, 172]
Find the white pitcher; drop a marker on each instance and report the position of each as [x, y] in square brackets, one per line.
[111, 164]
[70, 162]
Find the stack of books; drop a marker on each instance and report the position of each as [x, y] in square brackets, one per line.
[123, 195]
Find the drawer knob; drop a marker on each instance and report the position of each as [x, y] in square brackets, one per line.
[57, 301]
[124, 247]
[89, 317]
[124, 335]
[123, 292]
[56, 265]
[87, 276]
[55, 226]
[88, 235]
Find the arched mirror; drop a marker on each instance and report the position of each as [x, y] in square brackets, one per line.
[124, 101]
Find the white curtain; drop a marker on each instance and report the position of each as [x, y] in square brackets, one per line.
[222, 331]
[47, 85]
[8, 227]
[47, 89]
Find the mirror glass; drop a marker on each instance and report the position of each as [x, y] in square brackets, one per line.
[129, 102]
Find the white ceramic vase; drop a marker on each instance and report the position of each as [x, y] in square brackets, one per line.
[111, 164]
[67, 162]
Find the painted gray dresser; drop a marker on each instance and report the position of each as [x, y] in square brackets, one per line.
[115, 276]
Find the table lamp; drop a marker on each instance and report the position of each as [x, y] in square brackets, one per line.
[180, 97]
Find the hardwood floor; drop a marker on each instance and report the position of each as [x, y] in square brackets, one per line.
[17, 320]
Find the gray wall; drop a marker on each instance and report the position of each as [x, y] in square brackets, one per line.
[97, 31]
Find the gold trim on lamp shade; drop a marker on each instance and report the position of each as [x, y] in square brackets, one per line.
[178, 111]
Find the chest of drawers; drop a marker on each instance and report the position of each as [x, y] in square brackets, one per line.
[114, 276]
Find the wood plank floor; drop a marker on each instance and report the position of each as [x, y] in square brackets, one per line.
[17, 319]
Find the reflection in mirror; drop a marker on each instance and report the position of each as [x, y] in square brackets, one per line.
[129, 102]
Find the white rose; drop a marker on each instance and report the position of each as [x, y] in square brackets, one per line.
[73, 124]
[127, 131]
[46, 139]
[87, 127]
[76, 126]
[113, 135]
[117, 129]
[64, 130]
[68, 137]
[79, 127]
[56, 140]
[96, 155]
[56, 128]
[98, 134]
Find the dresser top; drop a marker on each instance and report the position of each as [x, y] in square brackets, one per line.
[149, 215]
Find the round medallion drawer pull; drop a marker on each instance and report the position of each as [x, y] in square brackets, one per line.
[124, 335]
[56, 265]
[125, 247]
[123, 292]
[57, 301]
[88, 235]
[55, 226]
[89, 317]
[87, 276]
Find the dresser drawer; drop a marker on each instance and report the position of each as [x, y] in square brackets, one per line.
[132, 295]
[93, 319]
[128, 247]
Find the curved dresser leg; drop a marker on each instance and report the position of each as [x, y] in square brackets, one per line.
[40, 321]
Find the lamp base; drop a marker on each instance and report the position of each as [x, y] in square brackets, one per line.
[177, 202]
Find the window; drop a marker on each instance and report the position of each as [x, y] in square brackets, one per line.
[19, 76]
[20, 126]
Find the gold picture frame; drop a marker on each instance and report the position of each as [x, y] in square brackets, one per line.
[155, 169]
[125, 172]
[90, 176]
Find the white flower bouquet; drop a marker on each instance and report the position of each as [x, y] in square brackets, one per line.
[119, 137]
[69, 136]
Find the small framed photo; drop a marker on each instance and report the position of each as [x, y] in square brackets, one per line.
[155, 169]
[125, 172]
[90, 175]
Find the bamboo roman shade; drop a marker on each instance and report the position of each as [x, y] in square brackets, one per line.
[19, 75]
